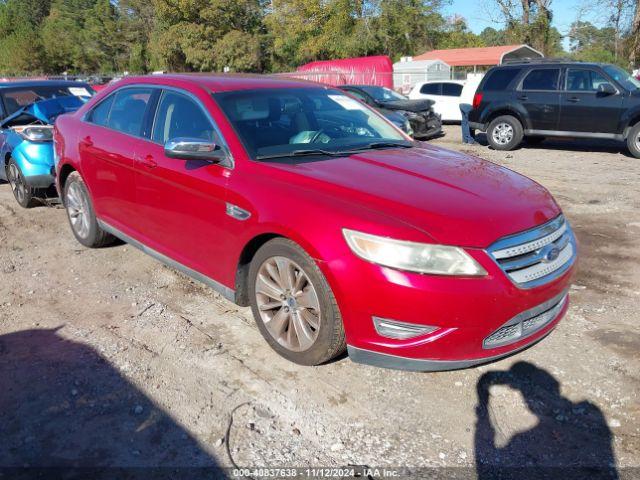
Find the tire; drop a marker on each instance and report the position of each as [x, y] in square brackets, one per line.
[505, 133]
[314, 334]
[82, 217]
[25, 195]
[633, 140]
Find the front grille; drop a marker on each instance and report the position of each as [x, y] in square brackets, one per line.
[536, 256]
[527, 323]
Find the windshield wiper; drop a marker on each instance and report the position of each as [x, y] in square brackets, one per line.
[374, 145]
[298, 153]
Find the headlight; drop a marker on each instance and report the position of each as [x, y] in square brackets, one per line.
[36, 134]
[412, 256]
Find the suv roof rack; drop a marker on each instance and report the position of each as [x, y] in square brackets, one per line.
[538, 60]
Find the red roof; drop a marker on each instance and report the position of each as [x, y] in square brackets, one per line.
[458, 57]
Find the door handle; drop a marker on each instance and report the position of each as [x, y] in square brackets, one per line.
[573, 99]
[148, 161]
[86, 141]
[523, 97]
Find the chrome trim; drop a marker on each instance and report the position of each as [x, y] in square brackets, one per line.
[536, 256]
[236, 212]
[385, 360]
[567, 133]
[546, 312]
[225, 291]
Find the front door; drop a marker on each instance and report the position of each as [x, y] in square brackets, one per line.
[583, 108]
[539, 96]
[182, 202]
[107, 151]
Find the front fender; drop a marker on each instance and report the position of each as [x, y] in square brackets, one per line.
[629, 118]
[34, 158]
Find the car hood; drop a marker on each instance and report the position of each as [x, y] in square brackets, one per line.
[45, 111]
[455, 198]
[415, 106]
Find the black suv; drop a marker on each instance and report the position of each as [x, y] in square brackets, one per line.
[537, 99]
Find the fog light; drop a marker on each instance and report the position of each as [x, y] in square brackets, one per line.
[400, 330]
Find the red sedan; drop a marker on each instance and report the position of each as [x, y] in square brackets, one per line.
[338, 230]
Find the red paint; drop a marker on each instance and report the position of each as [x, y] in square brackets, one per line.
[424, 194]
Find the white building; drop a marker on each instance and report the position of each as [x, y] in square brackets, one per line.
[407, 72]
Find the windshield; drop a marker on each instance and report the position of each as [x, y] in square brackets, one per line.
[16, 98]
[382, 94]
[287, 122]
[623, 78]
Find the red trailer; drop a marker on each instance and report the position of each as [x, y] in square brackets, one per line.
[377, 70]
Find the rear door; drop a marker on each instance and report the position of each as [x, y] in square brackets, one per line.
[110, 136]
[539, 95]
[451, 96]
[182, 202]
[582, 108]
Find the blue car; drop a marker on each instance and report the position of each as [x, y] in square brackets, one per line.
[28, 110]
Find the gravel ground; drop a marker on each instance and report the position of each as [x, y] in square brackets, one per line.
[108, 358]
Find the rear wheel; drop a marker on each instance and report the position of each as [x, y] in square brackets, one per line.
[505, 133]
[293, 304]
[633, 140]
[23, 193]
[82, 217]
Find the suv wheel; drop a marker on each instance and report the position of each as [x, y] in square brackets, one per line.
[23, 193]
[82, 217]
[633, 140]
[293, 304]
[505, 133]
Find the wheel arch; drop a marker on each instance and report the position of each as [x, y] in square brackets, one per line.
[244, 261]
[506, 111]
[66, 170]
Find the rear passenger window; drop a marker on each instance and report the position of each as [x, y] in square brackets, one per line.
[431, 88]
[179, 116]
[500, 79]
[127, 112]
[100, 114]
[541, 79]
[451, 89]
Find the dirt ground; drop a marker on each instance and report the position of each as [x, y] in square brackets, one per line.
[109, 359]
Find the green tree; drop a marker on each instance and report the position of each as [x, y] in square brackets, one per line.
[458, 35]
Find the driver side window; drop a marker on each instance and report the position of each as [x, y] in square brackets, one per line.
[180, 116]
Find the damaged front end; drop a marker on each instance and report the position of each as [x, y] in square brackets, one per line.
[424, 122]
[27, 145]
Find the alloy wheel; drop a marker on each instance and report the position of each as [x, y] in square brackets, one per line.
[17, 185]
[502, 133]
[78, 210]
[288, 303]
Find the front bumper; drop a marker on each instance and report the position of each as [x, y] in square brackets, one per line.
[40, 181]
[466, 311]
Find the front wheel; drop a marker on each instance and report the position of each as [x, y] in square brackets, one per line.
[633, 140]
[505, 133]
[23, 193]
[82, 217]
[293, 304]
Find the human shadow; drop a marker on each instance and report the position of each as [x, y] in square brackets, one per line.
[65, 412]
[570, 440]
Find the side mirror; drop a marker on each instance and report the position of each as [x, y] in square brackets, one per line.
[606, 89]
[193, 149]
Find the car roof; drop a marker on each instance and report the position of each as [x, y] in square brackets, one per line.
[558, 63]
[222, 82]
[459, 82]
[40, 83]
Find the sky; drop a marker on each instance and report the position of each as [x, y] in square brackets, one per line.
[479, 16]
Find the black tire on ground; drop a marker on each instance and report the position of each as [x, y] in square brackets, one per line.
[535, 140]
[26, 196]
[633, 140]
[330, 341]
[91, 235]
[513, 129]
